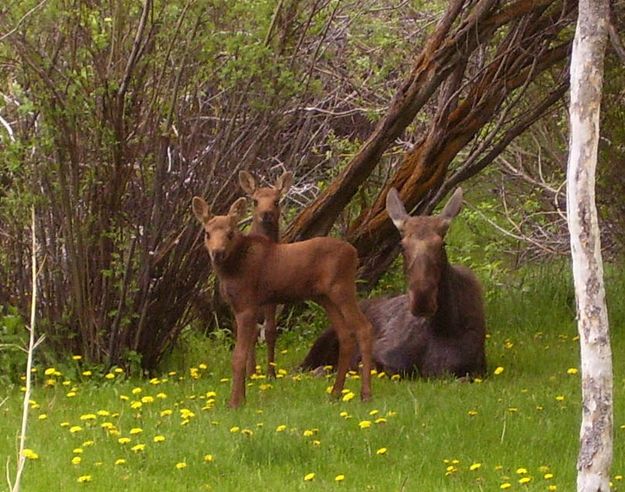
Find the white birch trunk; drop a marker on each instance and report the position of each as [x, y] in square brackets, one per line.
[595, 456]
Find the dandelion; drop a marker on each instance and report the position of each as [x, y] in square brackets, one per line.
[103, 413]
[43, 416]
[525, 480]
[161, 396]
[552, 487]
[374, 412]
[136, 405]
[381, 451]
[159, 438]
[77, 451]
[235, 429]
[136, 391]
[120, 461]
[247, 432]
[75, 428]
[76, 460]
[166, 413]
[84, 478]
[86, 444]
[339, 478]
[147, 399]
[208, 458]
[505, 485]
[521, 471]
[548, 476]
[211, 394]
[281, 428]
[29, 454]
[380, 420]
[364, 424]
[181, 465]
[308, 433]
[344, 414]
[49, 371]
[135, 431]
[395, 377]
[560, 398]
[109, 375]
[472, 413]
[137, 448]
[88, 416]
[316, 442]
[87, 373]
[475, 466]
[618, 477]
[71, 394]
[497, 372]
[123, 440]
[309, 477]
[64, 424]
[348, 396]
[76, 357]
[572, 371]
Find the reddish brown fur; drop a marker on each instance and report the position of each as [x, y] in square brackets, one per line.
[436, 328]
[266, 222]
[255, 272]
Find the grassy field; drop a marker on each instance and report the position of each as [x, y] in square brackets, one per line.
[517, 429]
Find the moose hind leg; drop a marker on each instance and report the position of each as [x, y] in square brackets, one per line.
[271, 335]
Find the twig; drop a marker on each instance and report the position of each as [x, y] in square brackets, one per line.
[6, 125]
[24, 17]
[29, 364]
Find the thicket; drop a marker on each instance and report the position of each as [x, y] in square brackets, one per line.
[114, 114]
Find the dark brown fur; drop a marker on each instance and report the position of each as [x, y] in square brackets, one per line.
[255, 272]
[438, 327]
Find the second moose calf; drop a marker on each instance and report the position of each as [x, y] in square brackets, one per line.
[255, 272]
[266, 222]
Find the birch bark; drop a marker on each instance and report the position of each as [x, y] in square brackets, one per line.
[595, 455]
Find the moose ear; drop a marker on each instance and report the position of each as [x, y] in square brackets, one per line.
[395, 209]
[238, 209]
[201, 210]
[284, 182]
[247, 182]
[453, 205]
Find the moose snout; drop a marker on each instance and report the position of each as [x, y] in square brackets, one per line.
[268, 217]
[422, 303]
[218, 255]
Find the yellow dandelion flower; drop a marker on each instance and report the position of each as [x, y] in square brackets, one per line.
[137, 448]
[309, 477]
[77, 451]
[211, 394]
[124, 397]
[87, 373]
[548, 476]
[103, 413]
[136, 390]
[109, 375]
[498, 371]
[161, 396]
[505, 485]
[86, 444]
[135, 405]
[107, 425]
[159, 438]
[618, 477]
[552, 487]
[84, 478]
[75, 428]
[120, 461]
[339, 478]
[76, 460]
[43, 416]
[348, 396]
[572, 371]
[155, 381]
[76, 357]
[308, 433]
[123, 440]
[380, 420]
[525, 480]
[147, 399]
[475, 466]
[64, 424]
[29, 454]
[235, 429]
[166, 413]
[118, 370]
[364, 424]
[472, 413]
[281, 428]
[316, 442]
[560, 398]
[181, 465]
[71, 394]
[88, 416]
[247, 432]
[395, 377]
[521, 471]
[208, 458]
[49, 371]
[381, 451]
[136, 430]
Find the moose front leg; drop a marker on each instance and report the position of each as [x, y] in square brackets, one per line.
[246, 329]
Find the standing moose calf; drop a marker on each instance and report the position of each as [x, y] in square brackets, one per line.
[437, 328]
[266, 222]
[255, 272]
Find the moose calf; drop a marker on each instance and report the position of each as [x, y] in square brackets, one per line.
[254, 272]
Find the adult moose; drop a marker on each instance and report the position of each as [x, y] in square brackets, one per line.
[266, 222]
[254, 272]
[437, 328]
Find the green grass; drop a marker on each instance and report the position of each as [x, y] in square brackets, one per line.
[527, 417]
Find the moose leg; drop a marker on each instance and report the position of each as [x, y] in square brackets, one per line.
[271, 334]
[347, 344]
[359, 325]
[250, 366]
[246, 329]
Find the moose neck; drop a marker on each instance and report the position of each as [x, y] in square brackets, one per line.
[268, 229]
[446, 315]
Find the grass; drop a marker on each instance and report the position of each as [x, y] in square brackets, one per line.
[520, 425]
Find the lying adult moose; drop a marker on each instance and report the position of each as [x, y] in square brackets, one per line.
[266, 222]
[437, 327]
[254, 272]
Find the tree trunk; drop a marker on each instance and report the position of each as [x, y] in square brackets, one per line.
[595, 456]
